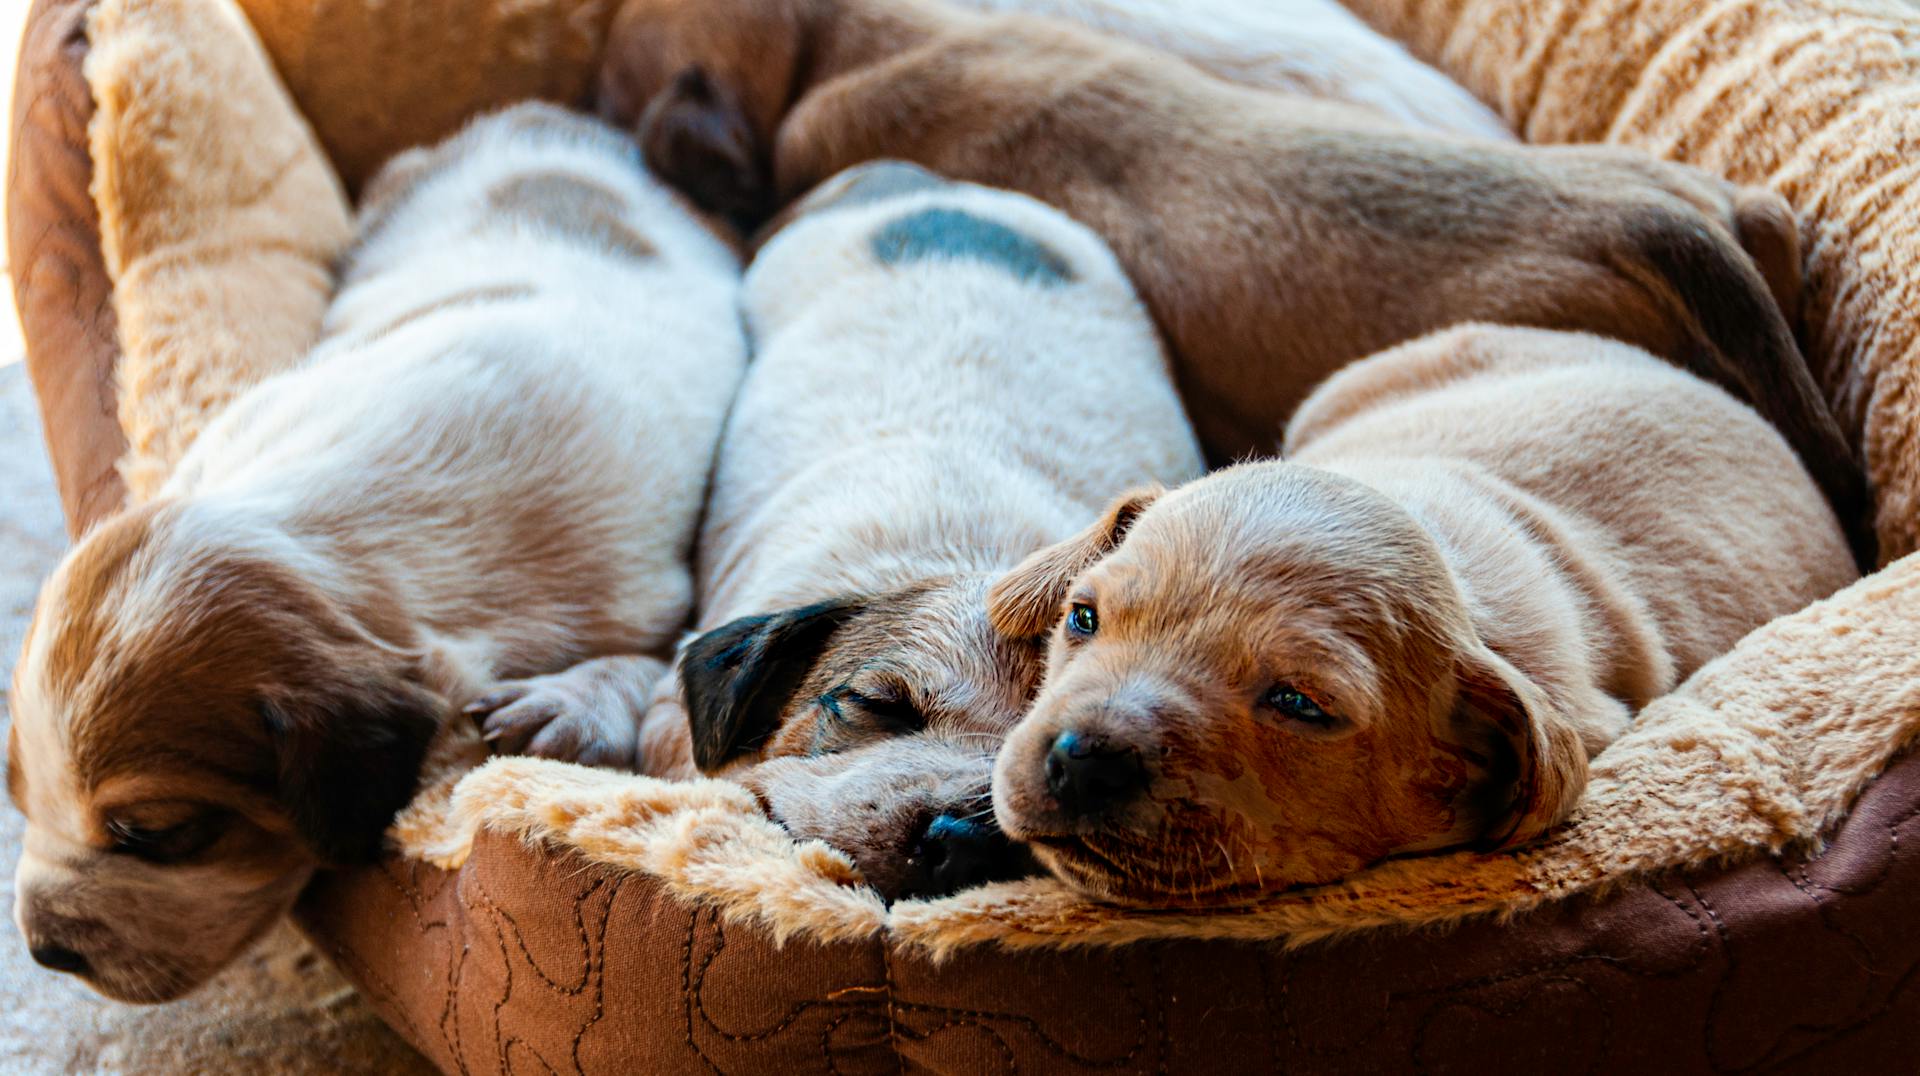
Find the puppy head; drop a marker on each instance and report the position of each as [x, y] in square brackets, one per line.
[914, 812]
[196, 727]
[703, 84]
[883, 714]
[1266, 678]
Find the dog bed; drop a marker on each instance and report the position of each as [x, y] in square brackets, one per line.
[1738, 890]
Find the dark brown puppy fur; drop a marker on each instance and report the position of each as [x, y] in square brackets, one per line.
[1275, 238]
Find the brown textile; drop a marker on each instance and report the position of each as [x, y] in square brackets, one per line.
[526, 962]
[59, 275]
[530, 964]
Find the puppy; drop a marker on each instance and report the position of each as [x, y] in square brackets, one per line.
[1312, 47]
[1275, 237]
[945, 379]
[490, 466]
[1488, 549]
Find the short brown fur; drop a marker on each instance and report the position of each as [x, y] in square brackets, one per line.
[1275, 238]
[1489, 549]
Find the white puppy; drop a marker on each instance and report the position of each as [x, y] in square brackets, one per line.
[492, 466]
[946, 378]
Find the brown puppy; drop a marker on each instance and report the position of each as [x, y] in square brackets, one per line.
[491, 466]
[1489, 549]
[1275, 238]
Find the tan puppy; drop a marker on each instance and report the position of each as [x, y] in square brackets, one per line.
[1489, 548]
[945, 379]
[1275, 238]
[491, 466]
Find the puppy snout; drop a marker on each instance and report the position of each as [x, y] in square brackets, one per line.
[59, 958]
[953, 854]
[1089, 774]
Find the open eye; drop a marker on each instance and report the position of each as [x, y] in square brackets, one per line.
[1082, 620]
[167, 844]
[1296, 705]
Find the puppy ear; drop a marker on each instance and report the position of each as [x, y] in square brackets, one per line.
[695, 134]
[1768, 232]
[1728, 299]
[348, 761]
[1026, 602]
[1534, 766]
[736, 679]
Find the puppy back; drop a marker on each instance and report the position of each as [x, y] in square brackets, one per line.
[1676, 489]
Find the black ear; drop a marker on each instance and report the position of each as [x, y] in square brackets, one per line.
[695, 134]
[736, 679]
[348, 760]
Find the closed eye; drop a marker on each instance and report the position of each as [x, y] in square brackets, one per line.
[170, 844]
[898, 711]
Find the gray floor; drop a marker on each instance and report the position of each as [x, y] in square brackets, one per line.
[282, 1010]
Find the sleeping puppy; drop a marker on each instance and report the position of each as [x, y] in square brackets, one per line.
[945, 379]
[1312, 47]
[1275, 237]
[490, 466]
[1488, 550]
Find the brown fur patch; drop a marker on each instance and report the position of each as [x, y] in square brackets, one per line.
[97, 565]
[16, 776]
[498, 293]
[572, 207]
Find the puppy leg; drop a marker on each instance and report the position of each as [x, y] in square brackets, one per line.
[588, 714]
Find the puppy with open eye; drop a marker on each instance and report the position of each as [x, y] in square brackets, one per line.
[1488, 550]
[1276, 237]
[945, 379]
[491, 466]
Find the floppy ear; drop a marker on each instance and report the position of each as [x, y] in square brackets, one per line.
[1534, 766]
[695, 134]
[736, 679]
[1026, 601]
[348, 759]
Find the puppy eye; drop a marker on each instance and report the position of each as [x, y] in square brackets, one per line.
[169, 844]
[1296, 705]
[897, 711]
[1082, 620]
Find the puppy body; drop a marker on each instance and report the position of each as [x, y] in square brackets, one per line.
[1275, 237]
[1313, 47]
[490, 466]
[946, 378]
[1488, 549]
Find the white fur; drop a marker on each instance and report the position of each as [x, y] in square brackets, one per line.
[903, 422]
[604, 388]
[442, 467]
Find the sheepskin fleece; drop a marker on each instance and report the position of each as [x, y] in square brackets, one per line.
[219, 218]
[1817, 99]
[1762, 750]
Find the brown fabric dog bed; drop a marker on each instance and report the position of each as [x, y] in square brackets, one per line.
[178, 192]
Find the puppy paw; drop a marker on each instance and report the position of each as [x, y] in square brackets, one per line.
[589, 714]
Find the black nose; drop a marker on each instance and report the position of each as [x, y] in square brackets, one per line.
[1088, 775]
[952, 854]
[59, 959]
